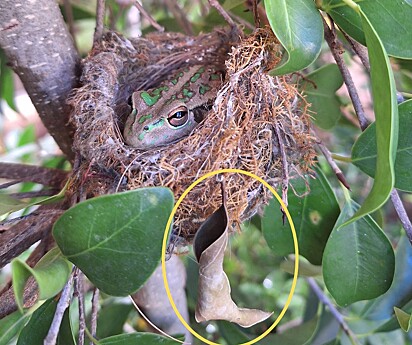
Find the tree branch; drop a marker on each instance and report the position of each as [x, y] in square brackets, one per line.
[335, 48]
[335, 312]
[403, 216]
[32, 173]
[40, 50]
[16, 238]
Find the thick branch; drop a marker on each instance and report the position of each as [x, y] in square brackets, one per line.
[16, 238]
[40, 50]
[32, 173]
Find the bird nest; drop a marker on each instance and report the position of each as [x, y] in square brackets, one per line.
[259, 123]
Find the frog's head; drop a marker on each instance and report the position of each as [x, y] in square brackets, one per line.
[172, 122]
[169, 112]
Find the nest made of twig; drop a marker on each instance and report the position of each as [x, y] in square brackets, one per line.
[259, 123]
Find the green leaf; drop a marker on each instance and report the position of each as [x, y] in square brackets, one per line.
[51, 274]
[10, 326]
[381, 308]
[393, 323]
[391, 20]
[320, 90]
[404, 319]
[9, 204]
[38, 326]
[138, 339]
[6, 82]
[358, 262]
[112, 318]
[364, 151]
[116, 239]
[314, 216]
[386, 114]
[298, 26]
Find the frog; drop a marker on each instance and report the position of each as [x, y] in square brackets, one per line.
[170, 111]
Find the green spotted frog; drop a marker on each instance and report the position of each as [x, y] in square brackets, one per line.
[170, 111]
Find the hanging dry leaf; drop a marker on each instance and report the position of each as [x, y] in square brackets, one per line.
[214, 300]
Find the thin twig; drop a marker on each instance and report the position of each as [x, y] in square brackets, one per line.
[328, 156]
[78, 292]
[335, 312]
[223, 13]
[70, 22]
[403, 216]
[335, 48]
[62, 305]
[98, 32]
[149, 18]
[95, 308]
[180, 16]
[360, 50]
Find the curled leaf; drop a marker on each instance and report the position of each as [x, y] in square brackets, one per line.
[214, 300]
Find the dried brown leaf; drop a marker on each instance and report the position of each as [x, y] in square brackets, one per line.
[214, 300]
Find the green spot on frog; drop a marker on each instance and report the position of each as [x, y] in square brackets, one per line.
[151, 99]
[150, 127]
[145, 117]
[174, 81]
[134, 112]
[203, 89]
[215, 77]
[187, 93]
[197, 75]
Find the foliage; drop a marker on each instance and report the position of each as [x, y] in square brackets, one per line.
[350, 242]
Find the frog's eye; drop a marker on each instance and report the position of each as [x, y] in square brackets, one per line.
[179, 117]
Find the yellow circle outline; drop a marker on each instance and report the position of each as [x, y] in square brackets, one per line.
[295, 244]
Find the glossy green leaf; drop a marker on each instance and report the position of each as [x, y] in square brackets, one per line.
[404, 319]
[381, 308]
[320, 90]
[116, 239]
[314, 216]
[358, 262]
[391, 20]
[11, 325]
[364, 151]
[298, 26]
[138, 339]
[393, 323]
[51, 274]
[37, 328]
[386, 114]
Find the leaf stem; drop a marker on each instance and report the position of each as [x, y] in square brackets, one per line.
[352, 5]
[341, 158]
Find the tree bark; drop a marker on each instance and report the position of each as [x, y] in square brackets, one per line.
[40, 50]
